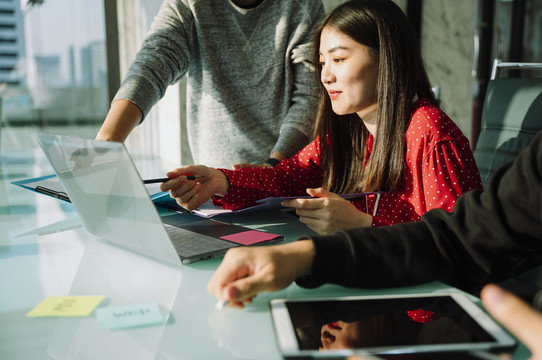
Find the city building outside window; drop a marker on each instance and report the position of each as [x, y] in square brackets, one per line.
[53, 66]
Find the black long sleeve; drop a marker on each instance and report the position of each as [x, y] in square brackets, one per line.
[491, 235]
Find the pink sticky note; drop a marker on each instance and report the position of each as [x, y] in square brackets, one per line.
[250, 237]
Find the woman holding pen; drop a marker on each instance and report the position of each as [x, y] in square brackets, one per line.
[378, 130]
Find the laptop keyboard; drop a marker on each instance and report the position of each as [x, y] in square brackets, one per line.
[189, 244]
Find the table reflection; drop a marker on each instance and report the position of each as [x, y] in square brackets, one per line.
[124, 278]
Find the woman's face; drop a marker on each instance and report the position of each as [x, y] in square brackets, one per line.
[349, 73]
[340, 335]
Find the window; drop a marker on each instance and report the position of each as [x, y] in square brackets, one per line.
[53, 66]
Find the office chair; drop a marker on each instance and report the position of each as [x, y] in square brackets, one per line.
[511, 117]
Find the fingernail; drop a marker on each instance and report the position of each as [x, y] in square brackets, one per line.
[493, 295]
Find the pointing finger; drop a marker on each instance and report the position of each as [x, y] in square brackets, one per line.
[521, 319]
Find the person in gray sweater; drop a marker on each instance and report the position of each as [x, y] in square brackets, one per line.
[251, 90]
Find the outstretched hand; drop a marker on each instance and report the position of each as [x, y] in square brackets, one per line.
[327, 212]
[246, 271]
[190, 194]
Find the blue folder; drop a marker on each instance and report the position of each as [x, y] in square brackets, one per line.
[51, 186]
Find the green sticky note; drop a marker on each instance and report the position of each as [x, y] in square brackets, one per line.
[129, 316]
[66, 306]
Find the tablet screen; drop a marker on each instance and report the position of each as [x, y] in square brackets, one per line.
[376, 323]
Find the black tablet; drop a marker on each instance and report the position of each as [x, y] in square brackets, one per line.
[386, 324]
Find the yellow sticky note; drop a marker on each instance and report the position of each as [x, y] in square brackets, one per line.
[66, 306]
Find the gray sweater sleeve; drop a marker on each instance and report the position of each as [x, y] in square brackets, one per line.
[162, 60]
[296, 128]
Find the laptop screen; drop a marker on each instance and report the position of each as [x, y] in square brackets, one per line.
[105, 187]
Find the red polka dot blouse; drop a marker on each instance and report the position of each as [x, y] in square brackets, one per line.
[439, 168]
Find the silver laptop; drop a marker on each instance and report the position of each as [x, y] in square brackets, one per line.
[105, 187]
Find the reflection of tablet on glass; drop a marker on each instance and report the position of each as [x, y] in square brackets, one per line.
[385, 324]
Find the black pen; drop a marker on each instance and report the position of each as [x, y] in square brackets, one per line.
[161, 180]
[194, 177]
[154, 181]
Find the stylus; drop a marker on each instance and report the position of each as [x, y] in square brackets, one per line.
[221, 304]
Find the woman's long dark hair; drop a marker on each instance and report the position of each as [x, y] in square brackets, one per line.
[383, 27]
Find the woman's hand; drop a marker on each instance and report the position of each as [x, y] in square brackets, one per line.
[246, 271]
[328, 212]
[190, 194]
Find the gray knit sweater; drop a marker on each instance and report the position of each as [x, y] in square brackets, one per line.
[251, 87]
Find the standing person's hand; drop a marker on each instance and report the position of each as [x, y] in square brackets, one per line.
[276, 157]
[246, 271]
[518, 317]
[249, 166]
[190, 194]
[328, 212]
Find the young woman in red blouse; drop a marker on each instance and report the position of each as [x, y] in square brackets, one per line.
[377, 130]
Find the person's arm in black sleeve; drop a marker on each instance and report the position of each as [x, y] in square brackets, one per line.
[490, 236]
